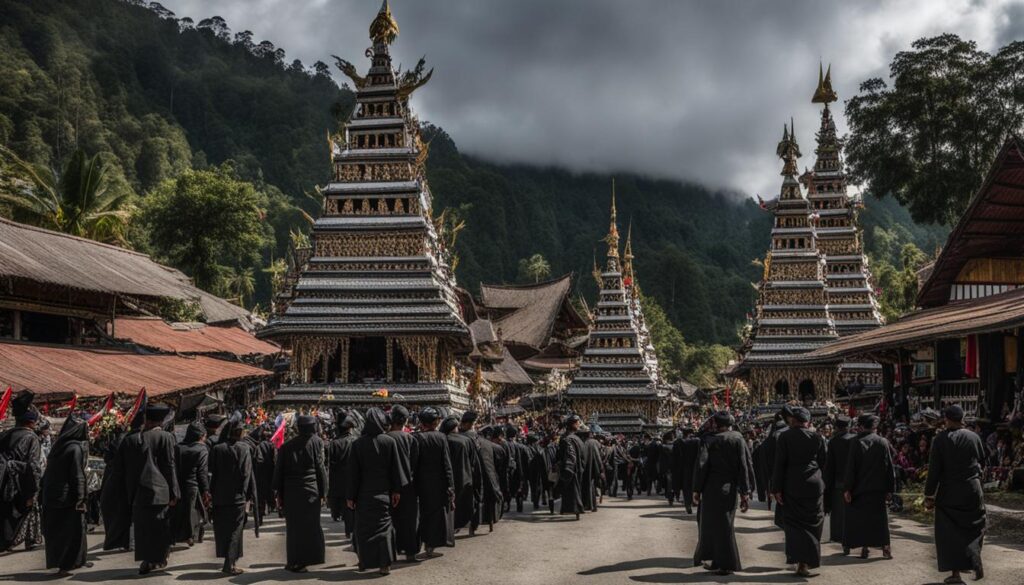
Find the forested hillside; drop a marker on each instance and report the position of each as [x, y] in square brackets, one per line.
[161, 97]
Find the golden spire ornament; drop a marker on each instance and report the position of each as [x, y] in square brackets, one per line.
[824, 94]
[384, 29]
[612, 239]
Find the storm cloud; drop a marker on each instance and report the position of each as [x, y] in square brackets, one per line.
[695, 91]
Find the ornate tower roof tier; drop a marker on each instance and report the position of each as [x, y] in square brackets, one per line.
[375, 304]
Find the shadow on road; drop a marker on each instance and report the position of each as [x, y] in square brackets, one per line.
[651, 563]
[705, 577]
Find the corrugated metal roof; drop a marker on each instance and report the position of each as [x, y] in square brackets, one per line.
[49, 369]
[191, 337]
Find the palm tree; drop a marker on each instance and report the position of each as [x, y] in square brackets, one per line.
[241, 284]
[535, 267]
[75, 201]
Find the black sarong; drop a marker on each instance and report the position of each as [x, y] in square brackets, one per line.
[152, 533]
[64, 532]
[228, 522]
[867, 521]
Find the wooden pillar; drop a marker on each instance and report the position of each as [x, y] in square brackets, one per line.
[17, 325]
[906, 373]
[888, 383]
[389, 344]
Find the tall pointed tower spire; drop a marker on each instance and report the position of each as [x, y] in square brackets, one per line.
[384, 29]
[612, 239]
[628, 277]
[789, 151]
[824, 94]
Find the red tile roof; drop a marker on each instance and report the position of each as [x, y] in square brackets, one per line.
[89, 372]
[193, 338]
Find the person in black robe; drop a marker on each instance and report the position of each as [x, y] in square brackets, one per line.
[465, 463]
[593, 468]
[571, 466]
[376, 478]
[491, 502]
[466, 429]
[300, 481]
[783, 420]
[406, 516]
[338, 452]
[665, 467]
[233, 484]
[115, 506]
[62, 496]
[192, 461]
[552, 480]
[151, 483]
[799, 458]
[720, 479]
[536, 472]
[651, 452]
[518, 475]
[870, 480]
[213, 423]
[953, 490]
[263, 467]
[835, 479]
[22, 449]
[435, 485]
[684, 462]
[504, 465]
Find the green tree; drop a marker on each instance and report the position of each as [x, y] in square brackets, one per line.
[206, 222]
[898, 285]
[929, 137]
[75, 201]
[238, 284]
[534, 268]
[669, 344]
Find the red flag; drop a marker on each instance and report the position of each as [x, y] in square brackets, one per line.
[107, 407]
[278, 437]
[5, 402]
[728, 398]
[139, 401]
[73, 403]
[851, 412]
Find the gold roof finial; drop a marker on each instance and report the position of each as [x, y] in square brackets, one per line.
[629, 279]
[788, 150]
[612, 239]
[384, 29]
[596, 272]
[824, 94]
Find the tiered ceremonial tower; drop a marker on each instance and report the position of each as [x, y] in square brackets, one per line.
[615, 385]
[373, 312]
[851, 299]
[792, 315]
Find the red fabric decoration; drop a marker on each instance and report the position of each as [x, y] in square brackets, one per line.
[107, 407]
[139, 401]
[278, 437]
[971, 362]
[72, 403]
[5, 401]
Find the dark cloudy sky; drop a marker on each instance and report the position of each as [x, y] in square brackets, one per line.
[692, 90]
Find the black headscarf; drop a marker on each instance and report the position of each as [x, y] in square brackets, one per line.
[376, 422]
[21, 406]
[306, 424]
[75, 430]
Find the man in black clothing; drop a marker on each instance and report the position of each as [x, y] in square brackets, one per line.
[571, 465]
[504, 463]
[783, 420]
[835, 478]
[435, 485]
[870, 480]
[684, 461]
[22, 449]
[665, 466]
[634, 465]
[192, 462]
[953, 490]
[489, 495]
[151, 483]
[590, 464]
[406, 516]
[213, 423]
[63, 495]
[300, 482]
[518, 475]
[465, 471]
[263, 468]
[338, 453]
[799, 459]
[722, 474]
[536, 472]
[651, 453]
[233, 485]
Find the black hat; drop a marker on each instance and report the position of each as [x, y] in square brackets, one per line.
[954, 413]
[842, 422]
[722, 418]
[428, 415]
[867, 421]
[398, 414]
[787, 411]
[487, 432]
[449, 424]
[469, 416]
[157, 412]
[214, 420]
[573, 418]
[511, 431]
[21, 405]
[801, 414]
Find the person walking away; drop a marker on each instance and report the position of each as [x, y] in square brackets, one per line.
[465, 470]
[953, 490]
[376, 478]
[300, 481]
[835, 480]
[233, 484]
[339, 451]
[62, 496]
[685, 450]
[571, 464]
[870, 482]
[799, 458]
[720, 479]
[192, 461]
[406, 516]
[21, 455]
[435, 485]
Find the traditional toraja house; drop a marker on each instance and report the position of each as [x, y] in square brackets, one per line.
[62, 302]
[851, 298]
[615, 385]
[374, 306]
[792, 315]
[964, 345]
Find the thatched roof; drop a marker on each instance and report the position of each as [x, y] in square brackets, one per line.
[993, 225]
[984, 315]
[52, 258]
[526, 314]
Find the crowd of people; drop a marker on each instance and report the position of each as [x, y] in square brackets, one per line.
[402, 483]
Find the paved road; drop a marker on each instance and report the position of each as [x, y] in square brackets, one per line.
[642, 541]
